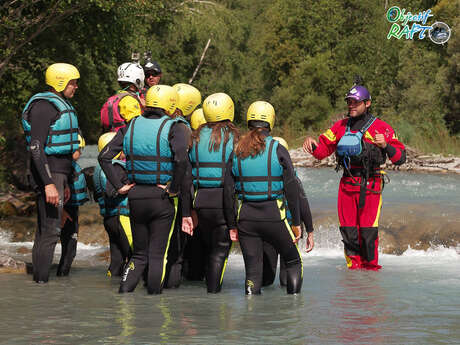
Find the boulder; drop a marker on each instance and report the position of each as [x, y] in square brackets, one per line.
[10, 265]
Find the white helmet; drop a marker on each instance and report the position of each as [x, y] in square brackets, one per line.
[132, 73]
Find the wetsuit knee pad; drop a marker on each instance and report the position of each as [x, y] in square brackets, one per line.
[368, 237]
[350, 239]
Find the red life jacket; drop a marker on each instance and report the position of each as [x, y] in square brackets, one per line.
[111, 118]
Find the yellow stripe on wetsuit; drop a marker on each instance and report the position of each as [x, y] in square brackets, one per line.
[165, 259]
[225, 264]
[282, 208]
[126, 225]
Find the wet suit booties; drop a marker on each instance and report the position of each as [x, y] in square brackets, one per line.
[358, 220]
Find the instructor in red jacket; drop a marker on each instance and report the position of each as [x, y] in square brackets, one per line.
[362, 143]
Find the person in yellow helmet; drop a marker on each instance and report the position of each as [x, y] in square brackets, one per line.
[184, 253]
[50, 126]
[70, 213]
[270, 253]
[115, 210]
[211, 153]
[262, 175]
[156, 162]
[189, 99]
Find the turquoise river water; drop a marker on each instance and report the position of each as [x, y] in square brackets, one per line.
[414, 299]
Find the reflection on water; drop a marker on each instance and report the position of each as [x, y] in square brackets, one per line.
[361, 308]
[411, 301]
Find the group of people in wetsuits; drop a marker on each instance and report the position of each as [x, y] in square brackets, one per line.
[177, 184]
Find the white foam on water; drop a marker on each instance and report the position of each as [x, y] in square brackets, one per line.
[434, 251]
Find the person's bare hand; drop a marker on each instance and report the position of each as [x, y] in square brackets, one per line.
[187, 225]
[233, 235]
[310, 242]
[297, 230]
[379, 140]
[125, 189]
[52, 195]
[309, 144]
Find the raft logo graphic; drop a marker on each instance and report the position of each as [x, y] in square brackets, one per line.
[438, 32]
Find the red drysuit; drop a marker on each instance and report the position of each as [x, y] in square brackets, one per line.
[359, 225]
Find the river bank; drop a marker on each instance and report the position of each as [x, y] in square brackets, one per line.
[415, 162]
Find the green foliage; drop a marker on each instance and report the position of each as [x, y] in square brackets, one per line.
[301, 55]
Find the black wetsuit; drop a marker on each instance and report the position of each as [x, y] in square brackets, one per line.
[46, 169]
[179, 239]
[120, 250]
[259, 222]
[69, 238]
[214, 234]
[270, 253]
[152, 212]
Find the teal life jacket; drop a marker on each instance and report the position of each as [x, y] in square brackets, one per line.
[63, 134]
[208, 168]
[149, 159]
[77, 186]
[109, 206]
[350, 145]
[259, 178]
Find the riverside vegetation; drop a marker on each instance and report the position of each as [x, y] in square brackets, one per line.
[300, 55]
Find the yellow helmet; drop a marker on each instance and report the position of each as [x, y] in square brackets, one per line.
[81, 141]
[261, 111]
[189, 98]
[282, 142]
[104, 139]
[197, 118]
[59, 74]
[218, 107]
[162, 96]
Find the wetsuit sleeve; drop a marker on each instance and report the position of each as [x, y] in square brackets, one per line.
[395, 149]
[290, 184]
[229, 195]
[113, 148]
[123, 176]
[327, 142]
[187, 181]
[186, 187]
[305, 213]
[178, 139]
[41, 116]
